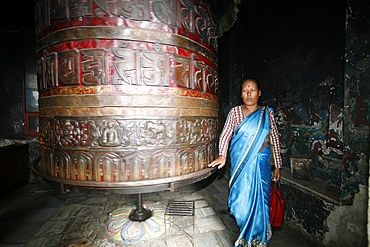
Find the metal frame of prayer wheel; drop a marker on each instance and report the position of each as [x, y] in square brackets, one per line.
[128, 92]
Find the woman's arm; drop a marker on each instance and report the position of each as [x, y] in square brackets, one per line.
[225, 136]
[227, 132]
[275, 141]
[276, 146]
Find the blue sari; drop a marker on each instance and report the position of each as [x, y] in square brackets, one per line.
[249, 196]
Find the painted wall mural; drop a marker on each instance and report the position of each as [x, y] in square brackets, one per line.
[311, 125]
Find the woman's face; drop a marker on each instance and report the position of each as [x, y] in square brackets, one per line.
[250, 93]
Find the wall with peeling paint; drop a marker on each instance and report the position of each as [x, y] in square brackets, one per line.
[356, 99]
[312, 58]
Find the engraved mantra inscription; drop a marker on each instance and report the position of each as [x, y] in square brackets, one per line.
[130, 67]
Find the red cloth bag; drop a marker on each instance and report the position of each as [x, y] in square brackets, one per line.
[277, 205]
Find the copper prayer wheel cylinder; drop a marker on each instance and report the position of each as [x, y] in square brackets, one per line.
[127, 92]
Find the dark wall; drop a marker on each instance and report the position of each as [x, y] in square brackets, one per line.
[17, 71]
[11, 85]
[294, 47]
[16, 32]
[17, 15]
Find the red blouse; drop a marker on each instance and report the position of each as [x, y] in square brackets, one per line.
[234, 118]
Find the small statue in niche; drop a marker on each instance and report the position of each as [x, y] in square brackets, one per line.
[110, 136]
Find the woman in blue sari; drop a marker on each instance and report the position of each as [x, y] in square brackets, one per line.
[251, 131]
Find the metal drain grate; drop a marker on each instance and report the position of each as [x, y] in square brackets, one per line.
[180, 208]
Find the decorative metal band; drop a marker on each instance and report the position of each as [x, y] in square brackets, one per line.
[121, 150]
[124, 34]
[151, 105]
[102, 133]
[125, 165]
[133, 187]
[182, 17]
[142, 113]
[127, 90]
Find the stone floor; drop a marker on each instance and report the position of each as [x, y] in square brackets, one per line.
[38, 215]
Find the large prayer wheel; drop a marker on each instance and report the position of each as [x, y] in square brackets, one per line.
[127, 92]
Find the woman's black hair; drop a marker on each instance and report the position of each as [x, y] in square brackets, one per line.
[250, 79]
